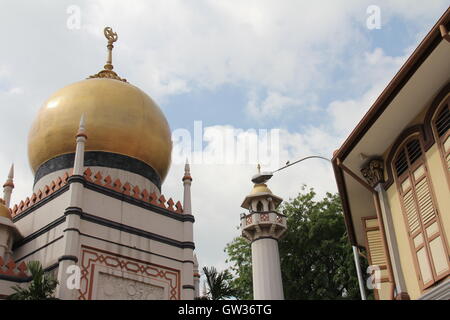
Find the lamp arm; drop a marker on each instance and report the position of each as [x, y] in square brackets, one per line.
[306, 158]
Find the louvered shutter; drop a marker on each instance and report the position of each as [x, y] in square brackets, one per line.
[421, 215]
[377, 258]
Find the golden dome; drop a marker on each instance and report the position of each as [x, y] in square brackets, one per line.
[260, 188]
[120, 118]
[4, 211]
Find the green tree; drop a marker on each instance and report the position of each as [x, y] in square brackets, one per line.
[219, 286]
[316, 256]
[42, 286]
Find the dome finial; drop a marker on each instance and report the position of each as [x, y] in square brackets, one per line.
[107, 72]
[112, 37]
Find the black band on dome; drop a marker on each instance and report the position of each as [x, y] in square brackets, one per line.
[100, 159]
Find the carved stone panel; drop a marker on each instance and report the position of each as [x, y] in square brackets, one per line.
[111, 287]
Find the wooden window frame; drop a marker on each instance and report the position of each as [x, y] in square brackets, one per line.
[440, 140]
[409, 174]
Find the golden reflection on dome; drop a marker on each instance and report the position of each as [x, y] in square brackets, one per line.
[260, 188]
[120, 118]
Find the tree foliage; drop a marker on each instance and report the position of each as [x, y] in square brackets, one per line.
[316, 256]
[42, 286]
[219, 286]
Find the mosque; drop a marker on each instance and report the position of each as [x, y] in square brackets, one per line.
[100, 150]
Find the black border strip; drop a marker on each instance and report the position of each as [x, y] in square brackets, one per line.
[38, 249]
[137, 249]
[113, 194]
[146, 205]
[39, 232]
[145, 234]
[40, 203]
[188, 286]
[100, 159]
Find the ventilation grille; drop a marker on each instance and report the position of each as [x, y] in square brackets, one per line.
[414, 151]
[443, 121]
[410, 154]
[401, 164]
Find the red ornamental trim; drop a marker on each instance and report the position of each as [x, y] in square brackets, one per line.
[10, 268]
[134, 191]
[90, 257]
[40, 194]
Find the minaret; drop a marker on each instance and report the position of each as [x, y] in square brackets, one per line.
[263, 226]
[8, 232]
[188, 265]
[72, 213]
[187, 181]
[8, 187]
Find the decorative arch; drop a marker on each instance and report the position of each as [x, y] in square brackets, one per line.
[432, 111]
[406, 134]
[437, 123]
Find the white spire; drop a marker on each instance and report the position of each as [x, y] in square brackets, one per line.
[187, 181]
[82, 127]
[78, 165]
[187, 168]
[8, 186]
[11, 172]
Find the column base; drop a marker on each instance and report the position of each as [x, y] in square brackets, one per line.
[402, 296]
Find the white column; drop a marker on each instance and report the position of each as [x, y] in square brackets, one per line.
[8, 187]
[71, 231]
[188, 232]
[386, 214]
[267, 282]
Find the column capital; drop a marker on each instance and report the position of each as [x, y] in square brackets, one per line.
[373, 171]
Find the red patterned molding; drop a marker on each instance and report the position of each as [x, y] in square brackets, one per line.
[125, 188]
[41, 194]
[10, 268]
[128, 189]
[92, 257]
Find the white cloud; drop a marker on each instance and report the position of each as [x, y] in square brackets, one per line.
[376, 70]
[273, 105]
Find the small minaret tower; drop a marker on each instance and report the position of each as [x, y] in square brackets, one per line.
[8, 231]
[188, 292]
[263, 226]
[187, 181]
[8, 187]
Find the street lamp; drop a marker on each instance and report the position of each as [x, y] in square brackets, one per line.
[263, 177]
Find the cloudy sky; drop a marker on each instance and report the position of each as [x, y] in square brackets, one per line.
[303, 71]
